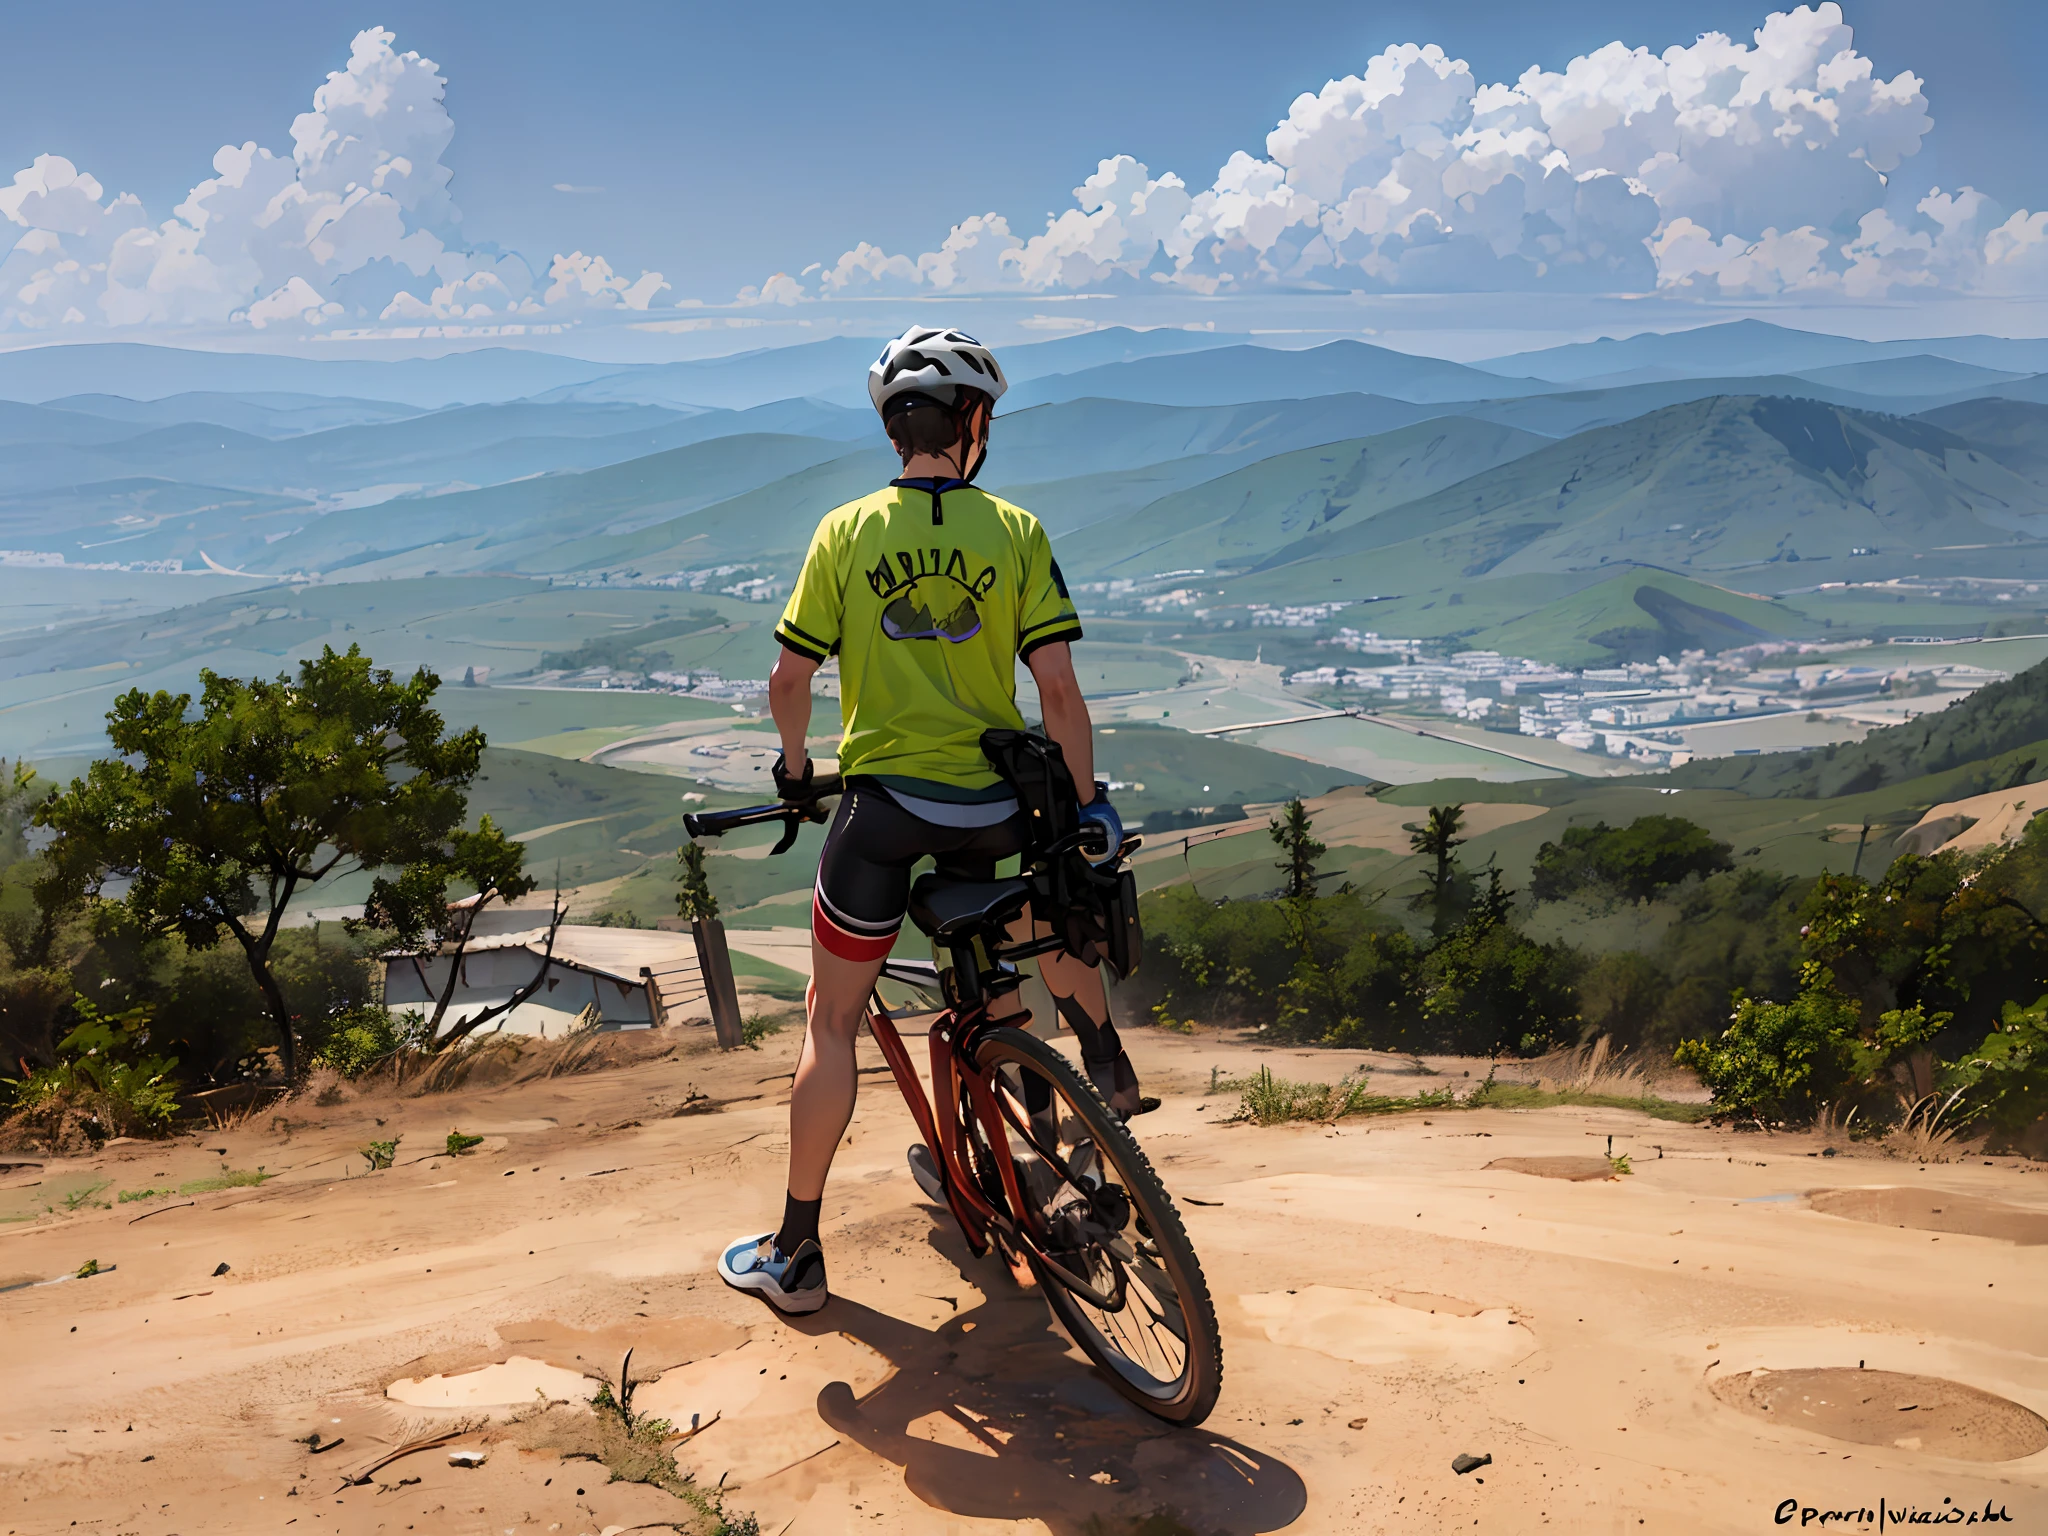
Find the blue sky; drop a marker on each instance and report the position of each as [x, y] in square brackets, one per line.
[719, 145]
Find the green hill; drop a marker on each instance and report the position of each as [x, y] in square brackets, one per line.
[1241, 518]
[1640, 615]
[1721, 484]
[2003, 718]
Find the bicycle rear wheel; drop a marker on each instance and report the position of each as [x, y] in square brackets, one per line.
[1117, 1269]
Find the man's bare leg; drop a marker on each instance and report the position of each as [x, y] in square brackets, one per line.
[821, 1104]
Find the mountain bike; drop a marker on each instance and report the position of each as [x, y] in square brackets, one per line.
[1031, 1161]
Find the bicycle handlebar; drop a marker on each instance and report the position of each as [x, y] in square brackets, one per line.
[794, 813]
[791, 813]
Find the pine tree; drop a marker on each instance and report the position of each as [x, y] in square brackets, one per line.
[1299, 850]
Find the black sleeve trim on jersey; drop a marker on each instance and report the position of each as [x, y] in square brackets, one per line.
[1060, 581]
[1058, 618]
[804, 647]
[1071, 632]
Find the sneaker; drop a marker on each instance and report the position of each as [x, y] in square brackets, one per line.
[1117, 1081]
[924, 1168]
[790, 1283]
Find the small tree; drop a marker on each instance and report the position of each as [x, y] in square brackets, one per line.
[1299, 849]
[1438, 839]
[694, 899]
[216, 820]
[416, 908]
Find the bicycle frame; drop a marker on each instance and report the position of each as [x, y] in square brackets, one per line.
[939, 1122]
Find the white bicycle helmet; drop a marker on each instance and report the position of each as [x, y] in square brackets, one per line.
[935, 364]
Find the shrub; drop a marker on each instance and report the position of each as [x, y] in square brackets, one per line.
[360, 1038]
[2005, 1080]
[1633, 863]
[1487, 989]
[105, 1075]
[1779, 1062]
[757, 1027]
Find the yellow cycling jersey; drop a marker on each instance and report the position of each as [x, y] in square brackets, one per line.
[928, 597]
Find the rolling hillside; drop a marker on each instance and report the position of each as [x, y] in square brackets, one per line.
[499, 526]
[1642, 614]
[1714, 485]
[2003, 718]
[1239, 520]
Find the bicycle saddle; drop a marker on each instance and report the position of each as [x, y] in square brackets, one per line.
[949, 908]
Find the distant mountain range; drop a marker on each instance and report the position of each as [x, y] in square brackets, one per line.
[1756, 347]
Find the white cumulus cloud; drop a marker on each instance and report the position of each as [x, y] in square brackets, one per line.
[1777, 165]
[356, 224]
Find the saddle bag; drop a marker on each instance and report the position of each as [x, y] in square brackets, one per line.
[1093, 910]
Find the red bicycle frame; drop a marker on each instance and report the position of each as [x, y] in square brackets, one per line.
[940, 1124]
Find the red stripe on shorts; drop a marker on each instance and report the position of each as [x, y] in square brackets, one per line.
[846, 945]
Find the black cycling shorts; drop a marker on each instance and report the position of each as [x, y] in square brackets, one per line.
[863, 885]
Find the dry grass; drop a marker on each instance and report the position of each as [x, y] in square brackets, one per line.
[1594, 1068]
[1926, 1133]
[496, 1059]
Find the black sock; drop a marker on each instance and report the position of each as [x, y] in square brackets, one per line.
[799, 1224]
[1099, 1042]
[1037, 1093]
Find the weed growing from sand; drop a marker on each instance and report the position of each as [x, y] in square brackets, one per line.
[87, 1270]
[1269, 1100]
[227, 1178]
[1619, 1162]
[757, 1027]
[459, 1144]
[633, 1448]
[381, 1154]
[82, 1199]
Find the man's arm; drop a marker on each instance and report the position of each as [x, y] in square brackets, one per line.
[789, 703]
[1065, 711]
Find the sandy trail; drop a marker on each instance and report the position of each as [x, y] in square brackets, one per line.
[1388, 1302]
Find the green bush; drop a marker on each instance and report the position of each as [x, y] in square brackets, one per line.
[2005, 1080]
[105, 1073]
[1633, 863]
[361, 1037]
[1779, 1062]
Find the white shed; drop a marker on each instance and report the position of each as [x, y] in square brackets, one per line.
[638, 978]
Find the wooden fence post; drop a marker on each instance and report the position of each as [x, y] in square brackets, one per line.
[714, 964]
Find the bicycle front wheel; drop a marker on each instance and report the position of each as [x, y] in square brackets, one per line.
[1113, 1259]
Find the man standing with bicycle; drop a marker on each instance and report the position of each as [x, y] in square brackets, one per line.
[929, 592]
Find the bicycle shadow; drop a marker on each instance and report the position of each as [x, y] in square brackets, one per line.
[995, 1416]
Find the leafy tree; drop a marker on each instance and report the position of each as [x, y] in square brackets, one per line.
[1486, 988]
[1621, 996]
[215, 820]
[416, 908]
[1634, 863]
[694, 899]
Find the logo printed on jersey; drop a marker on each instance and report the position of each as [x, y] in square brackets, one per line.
[930, 594]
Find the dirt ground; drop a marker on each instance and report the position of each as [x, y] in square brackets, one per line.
[1719, 1340]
